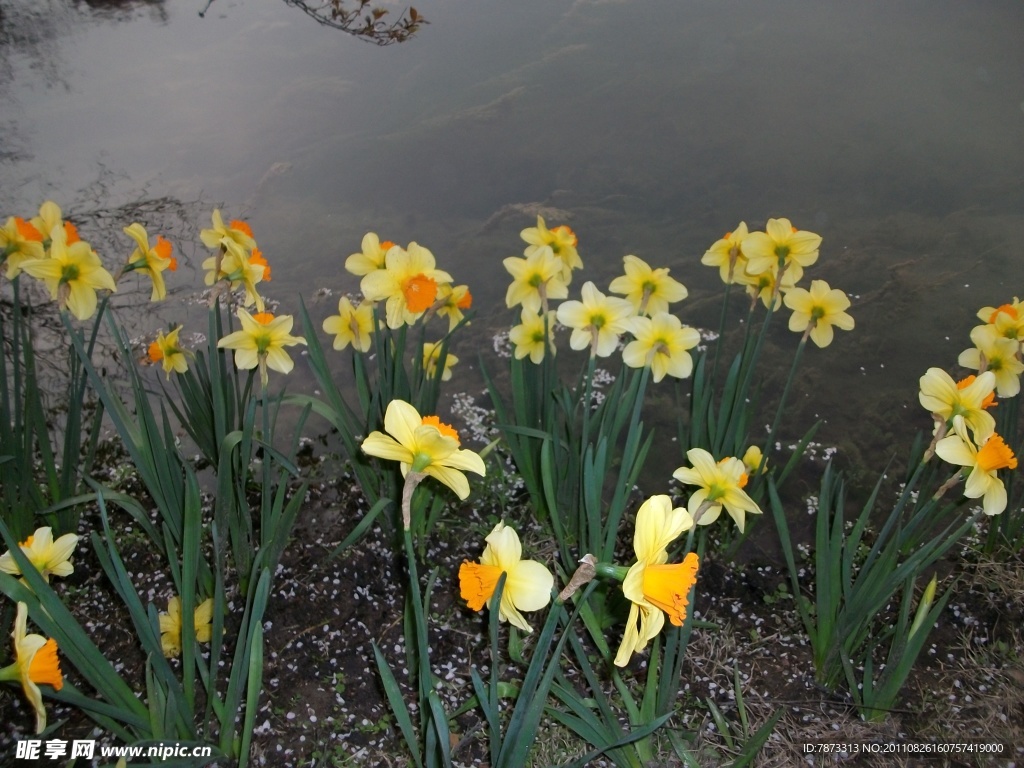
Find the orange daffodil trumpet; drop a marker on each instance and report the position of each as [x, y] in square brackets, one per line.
[983, 459]
[720, 485]
[423, 444]
[655, 588]
[816, 311]
[151, 260]
[261, 342]
[35, 664]
[170, 625]
[45, 554]
[527, 583]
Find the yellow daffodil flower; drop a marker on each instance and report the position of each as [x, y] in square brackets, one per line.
[596, 321]
[529, 336]
[727, 254]
[562, 242]
[816, 311]
[661, 342]
[35, 664]
[995, 353]
[153, 260]
[653, 587]
[72, 273]
[535, 280]
[423, 444]
[649, 290]
[1008, 319]
[527, 583]
[984, 461]
[370, 258]
[782, 245]
[19, 242]
[170, 625]
[721, 485]
[237, 232]
[167, 351]
[408, 283]
[766, 286]
[968, 398]
[352, 325]
[451, 302]
[261, 342]
[238, 267]
[431, 354]
[50, 216]
[48, 556]
[752, 460]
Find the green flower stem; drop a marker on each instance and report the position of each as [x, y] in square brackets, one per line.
[778, 412]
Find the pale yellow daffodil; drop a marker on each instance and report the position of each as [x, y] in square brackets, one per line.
[237, 232]
[48, 556]
[653, 587]
[170, 625]
[530, 335]
[408, 283]
[431, 356]
[720, 485]
[597, 320]
[371, 257]
[527, 583]
[816, 311]
[451, 302]
[151, 260]
[995, 353]
[766, 286]
[35, 664]
[352, 325]
[261, 342]
[727, 254]
[661, 342]
[562, 242]
[19, 242]
[239, 268]
[782, 246]
[167, 351]
[72, 273]
[535, 280]
[649, 290]
[969, 398]
[423, 444]
[984, 462]
[1008, 319]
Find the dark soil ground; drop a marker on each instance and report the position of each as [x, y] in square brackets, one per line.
[323, 704]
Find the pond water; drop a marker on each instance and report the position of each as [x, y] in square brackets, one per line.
[894, 130]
